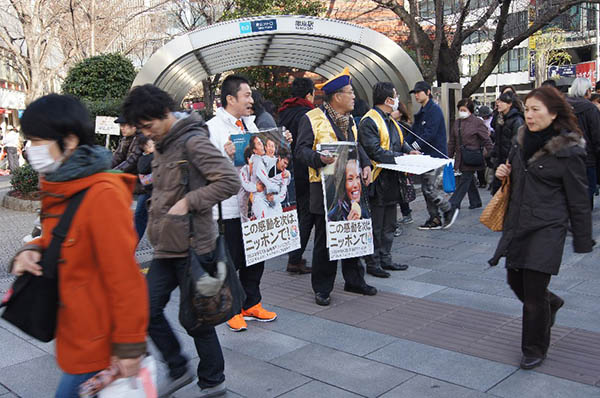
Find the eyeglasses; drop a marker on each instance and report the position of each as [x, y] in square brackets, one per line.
[351, 92]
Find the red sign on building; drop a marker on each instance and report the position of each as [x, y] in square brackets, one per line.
[587, 70]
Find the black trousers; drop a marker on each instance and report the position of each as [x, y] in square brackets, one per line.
[324, 271]
[384, 226]
[306, 220]
[531, 287]
[481, 177]
[249, 276]
[163, 277]
[466, 184]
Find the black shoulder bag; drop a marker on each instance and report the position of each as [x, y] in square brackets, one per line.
[470, 157]
[211, 292]
[32, 302]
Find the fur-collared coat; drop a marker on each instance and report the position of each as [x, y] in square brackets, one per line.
[547, 191]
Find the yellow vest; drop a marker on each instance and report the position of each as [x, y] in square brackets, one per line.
[384, 136]
[324, 134]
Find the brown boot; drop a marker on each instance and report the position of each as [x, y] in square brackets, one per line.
[299, 268]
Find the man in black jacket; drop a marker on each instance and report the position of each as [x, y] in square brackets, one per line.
[383, 141]
[129, 151]
[290, 113]
[588, 119]
[330, 123]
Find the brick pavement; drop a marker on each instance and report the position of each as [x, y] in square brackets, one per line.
[447, 327]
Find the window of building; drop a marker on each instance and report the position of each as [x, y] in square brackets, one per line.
[591, 16]
[516, 23]
[426, 9]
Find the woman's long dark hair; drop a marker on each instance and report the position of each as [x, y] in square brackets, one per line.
[557, 105]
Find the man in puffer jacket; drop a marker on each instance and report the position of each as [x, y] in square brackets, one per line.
[588, 119]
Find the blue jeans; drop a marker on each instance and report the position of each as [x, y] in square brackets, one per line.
[69, 384]
[141, 215]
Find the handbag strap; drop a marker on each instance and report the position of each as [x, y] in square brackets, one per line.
[459, 133]
[59, 233]
[187, 185]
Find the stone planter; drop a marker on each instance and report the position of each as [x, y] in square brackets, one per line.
[18, 204]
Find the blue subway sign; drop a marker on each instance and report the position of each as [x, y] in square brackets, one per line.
[262, 25]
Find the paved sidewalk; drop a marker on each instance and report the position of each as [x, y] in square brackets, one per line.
[447, 327]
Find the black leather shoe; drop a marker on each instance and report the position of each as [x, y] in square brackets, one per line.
[471, 207]
[300, 268]
[395, 267]
[530, 362]
[554, 310]
[364, 289]
[322, 299]
[378, 272]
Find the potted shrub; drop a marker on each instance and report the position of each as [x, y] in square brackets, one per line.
[25, 192]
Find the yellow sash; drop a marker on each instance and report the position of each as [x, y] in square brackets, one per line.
[384, 135]
[324, 133]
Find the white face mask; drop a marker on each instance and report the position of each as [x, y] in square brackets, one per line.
[463, 115]
[40, 159]
[395, 105]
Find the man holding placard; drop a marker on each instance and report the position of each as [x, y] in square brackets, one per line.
[330, 123]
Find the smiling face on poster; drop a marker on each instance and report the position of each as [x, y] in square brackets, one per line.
[349, 232]
[266, 199]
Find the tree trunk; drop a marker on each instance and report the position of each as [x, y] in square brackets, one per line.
[208, 96]
[209, 86]
[448, 70]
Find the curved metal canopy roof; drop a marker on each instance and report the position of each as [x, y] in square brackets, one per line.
[323, 46]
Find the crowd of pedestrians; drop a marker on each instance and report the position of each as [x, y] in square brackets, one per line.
[547, 145]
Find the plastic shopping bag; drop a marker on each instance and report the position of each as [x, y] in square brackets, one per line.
[449, 180]
[107, 384]
[141, 386]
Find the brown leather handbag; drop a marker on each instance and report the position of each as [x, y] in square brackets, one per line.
[493, 214]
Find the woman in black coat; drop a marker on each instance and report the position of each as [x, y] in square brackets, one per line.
[508, 122]
[548, 189]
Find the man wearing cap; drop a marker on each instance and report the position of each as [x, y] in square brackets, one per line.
[430, 127]
[126, 159]
[128, 152]
[331, 122]
[383, 141]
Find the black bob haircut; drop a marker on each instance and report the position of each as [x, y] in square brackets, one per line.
[146, 102]
[467, 103]
[302, 86]
[382, 91]
[231, 85]
[54, 117]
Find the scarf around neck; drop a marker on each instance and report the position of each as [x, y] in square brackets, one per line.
[83, 162]
[342, 121]
[534, 141]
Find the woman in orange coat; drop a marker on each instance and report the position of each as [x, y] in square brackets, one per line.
[103, 312]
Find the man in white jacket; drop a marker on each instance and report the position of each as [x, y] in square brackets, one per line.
[11, 142]
[235, 118]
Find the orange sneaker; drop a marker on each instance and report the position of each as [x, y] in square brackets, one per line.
[237, 323]
[258, 313]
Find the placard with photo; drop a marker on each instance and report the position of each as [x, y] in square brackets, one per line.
[348, 218]
[267, 200]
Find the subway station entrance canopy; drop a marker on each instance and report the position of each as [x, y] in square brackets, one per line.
[323, 46]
